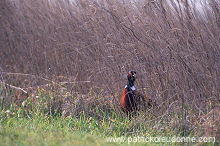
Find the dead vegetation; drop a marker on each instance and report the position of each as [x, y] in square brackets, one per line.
[78, 52]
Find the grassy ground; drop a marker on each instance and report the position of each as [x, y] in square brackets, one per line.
[22, 128]
[46, 130]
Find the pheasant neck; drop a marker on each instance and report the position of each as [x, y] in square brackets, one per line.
[130, 85]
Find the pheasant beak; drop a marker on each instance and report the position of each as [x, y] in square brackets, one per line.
[134, 75]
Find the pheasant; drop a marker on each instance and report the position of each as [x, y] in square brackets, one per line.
[131, 100]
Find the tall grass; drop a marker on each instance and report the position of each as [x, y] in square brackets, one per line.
[70, 57]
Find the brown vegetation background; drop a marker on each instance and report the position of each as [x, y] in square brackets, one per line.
[89, 46]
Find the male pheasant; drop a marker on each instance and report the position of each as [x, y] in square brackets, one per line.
[131, 100]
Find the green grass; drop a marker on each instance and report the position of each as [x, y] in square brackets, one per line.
[41, 129]
[48, 130]
[42, 122]
[39, 123]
